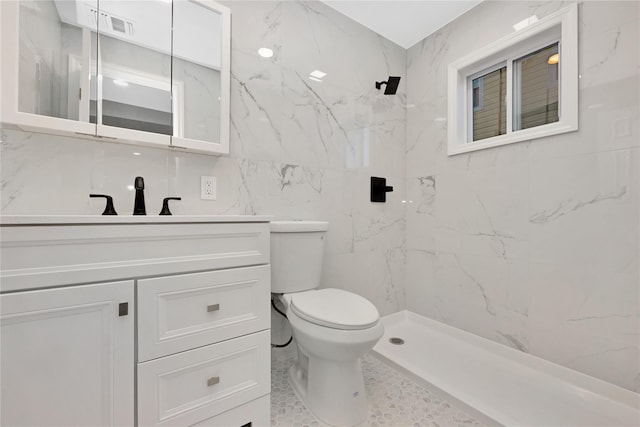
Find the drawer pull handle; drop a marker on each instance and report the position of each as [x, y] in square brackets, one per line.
[213, 307]
[123, 309]
[213, 381]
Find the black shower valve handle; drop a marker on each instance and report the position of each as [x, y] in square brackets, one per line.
[108, 209]
[379, 189]
[165, 205]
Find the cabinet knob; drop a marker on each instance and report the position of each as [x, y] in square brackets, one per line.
[213, 307]
[213, 381]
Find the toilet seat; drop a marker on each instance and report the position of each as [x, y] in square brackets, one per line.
[335, 308]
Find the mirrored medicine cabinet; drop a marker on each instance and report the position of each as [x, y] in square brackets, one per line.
[146, 72]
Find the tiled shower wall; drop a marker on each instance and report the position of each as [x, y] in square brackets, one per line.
[534, 244]
[300, 149]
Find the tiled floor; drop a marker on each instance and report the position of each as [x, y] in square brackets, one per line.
[394, 400]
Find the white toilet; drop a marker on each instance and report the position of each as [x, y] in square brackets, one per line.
[332, 328]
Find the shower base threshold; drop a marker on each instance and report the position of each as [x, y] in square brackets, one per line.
[501, 385]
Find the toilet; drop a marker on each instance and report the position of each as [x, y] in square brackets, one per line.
[332, 328]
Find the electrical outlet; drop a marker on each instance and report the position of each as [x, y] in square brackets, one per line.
[208, 187]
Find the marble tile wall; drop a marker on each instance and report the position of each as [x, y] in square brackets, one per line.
[300, 149]
[535, 244]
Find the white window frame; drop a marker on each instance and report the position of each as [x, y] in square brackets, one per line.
[561, 27]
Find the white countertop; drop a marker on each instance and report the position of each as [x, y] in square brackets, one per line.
[9, 220]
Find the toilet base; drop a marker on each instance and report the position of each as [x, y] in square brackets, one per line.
[332, 390]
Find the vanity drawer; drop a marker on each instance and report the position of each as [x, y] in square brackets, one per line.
[61, 255]
[256, 413]
[187, 388]
[178, 313]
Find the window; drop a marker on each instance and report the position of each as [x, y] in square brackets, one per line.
[522, 87]
[535, 78]
[489, 113]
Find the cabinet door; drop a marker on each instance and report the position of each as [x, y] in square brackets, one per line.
[133, 101]
[201, 75]
[67, 356]
[48, 64]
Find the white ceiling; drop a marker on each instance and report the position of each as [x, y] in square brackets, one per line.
[403, 22]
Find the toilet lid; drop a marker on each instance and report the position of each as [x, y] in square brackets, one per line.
[335, 308]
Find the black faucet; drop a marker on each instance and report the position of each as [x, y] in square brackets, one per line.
[138, 207]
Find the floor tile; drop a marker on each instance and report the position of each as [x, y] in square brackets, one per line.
[395, 400]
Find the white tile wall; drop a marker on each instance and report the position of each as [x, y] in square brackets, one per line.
[299, 148]
[534, 245]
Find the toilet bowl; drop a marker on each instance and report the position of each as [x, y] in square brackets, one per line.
[332, 328]
[327, 376]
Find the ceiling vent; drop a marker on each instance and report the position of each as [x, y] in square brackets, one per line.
[111, 24]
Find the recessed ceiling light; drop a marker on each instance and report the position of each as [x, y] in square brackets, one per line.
[315, 79]
[136, 153]
[120, 82]
[265, 52]
[318, 74]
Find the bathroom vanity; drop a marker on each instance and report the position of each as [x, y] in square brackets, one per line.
[135, 320]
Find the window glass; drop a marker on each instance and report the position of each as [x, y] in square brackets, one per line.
[536, 88]
[489, 106]
[477, 94]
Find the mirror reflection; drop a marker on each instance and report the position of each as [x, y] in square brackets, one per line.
[122, 65]
[54, 51]
[134, 66]
[196, 66]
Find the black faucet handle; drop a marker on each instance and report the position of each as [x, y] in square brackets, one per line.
[108, 209]
[165, 205]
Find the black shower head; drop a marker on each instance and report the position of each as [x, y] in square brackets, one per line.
[392, 85]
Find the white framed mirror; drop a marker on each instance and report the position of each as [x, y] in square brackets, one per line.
[145, 72]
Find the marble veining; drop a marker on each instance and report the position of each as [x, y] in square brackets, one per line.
[534, 245]
[573, 205]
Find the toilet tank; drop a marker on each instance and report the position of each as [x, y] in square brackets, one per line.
[297, 250]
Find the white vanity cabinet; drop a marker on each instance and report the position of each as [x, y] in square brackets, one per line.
[135, 321]
[66, 356]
